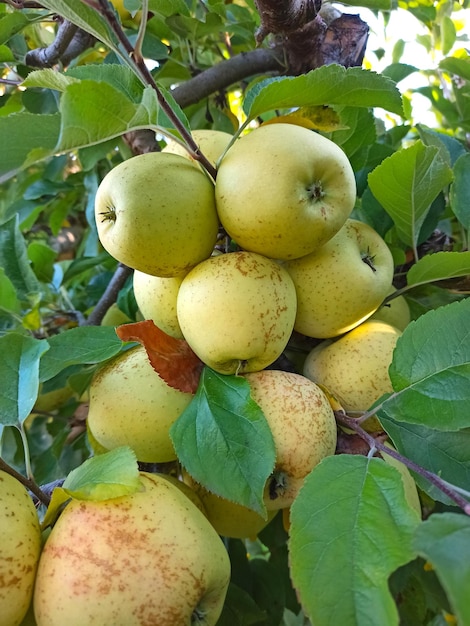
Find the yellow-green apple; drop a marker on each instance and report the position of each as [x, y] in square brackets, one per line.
[283, 190]
[149, 557]
[131, 405]
[127, 18]
[409, 484]
[20, 546]
[303, 426]
[229, 518]
[156, 213]
[343, 282]
[237, 311]
[156, 299]
[354, 367]
[114, 316]
[395, 312]
[212, 144]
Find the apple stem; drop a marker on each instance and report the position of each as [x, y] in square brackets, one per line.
[449, 490]
[135, 61]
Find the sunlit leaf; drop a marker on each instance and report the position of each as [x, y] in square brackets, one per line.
[108, 475]
[326, 85]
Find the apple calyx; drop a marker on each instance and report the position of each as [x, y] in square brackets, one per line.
[368, 259]
[315, 191]
[277, 484]
[109, 215]
[198, 616]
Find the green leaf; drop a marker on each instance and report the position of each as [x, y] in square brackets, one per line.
[26, 137]
[444, 540]
[93, 112]
[84, 17]
[49, 79]
[439, 266]
[329, 84]
[406, 184]
[19, 371]
[454, 65]
[8, 298]
[450, 147]
[224, 440]
[460, 191]
[14, 259]
[443, 453]
[351, 527]
[108, 475]
[81, 345]
[430, 370]
[12, 23]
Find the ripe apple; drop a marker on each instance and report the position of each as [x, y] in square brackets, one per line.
[212, 144]
[343, 282]
[303, 426]
[396, 312]
[150, 557]
[237, 311]
[354, 367]
[156, 299]
[131, 405]
[156, 213]
[229, 518]
[20, 548]
[283, 190]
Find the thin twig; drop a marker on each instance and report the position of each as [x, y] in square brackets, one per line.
[110, 295]
[29, 483]
[434, 479]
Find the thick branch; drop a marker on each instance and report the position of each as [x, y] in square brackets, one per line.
[284, 16]
[228, 72]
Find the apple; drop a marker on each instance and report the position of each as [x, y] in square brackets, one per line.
[283, 190]
[237, 311]
[20, 548]
[343, 282]
[131, 405]
[395, 312]
[156, 213]
[303, 426]
[212, 144]
[156, 299]
[354, 367]
[229, 519]
[150, 557]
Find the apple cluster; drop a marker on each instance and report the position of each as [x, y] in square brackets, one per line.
[298, 263]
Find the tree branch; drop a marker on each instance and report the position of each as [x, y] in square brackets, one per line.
[110, 295]
[228, 72]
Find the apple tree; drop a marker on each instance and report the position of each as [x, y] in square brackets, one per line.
[379, 530]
